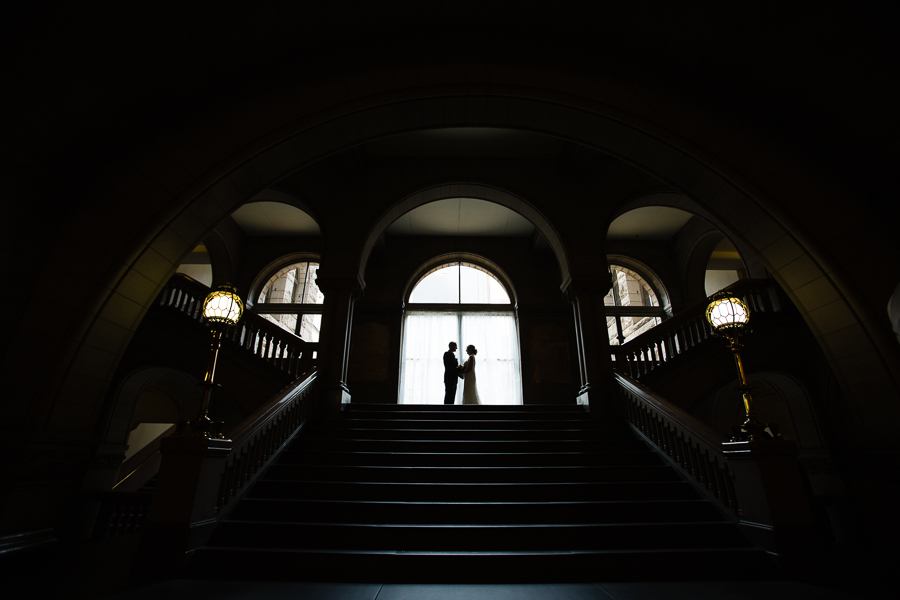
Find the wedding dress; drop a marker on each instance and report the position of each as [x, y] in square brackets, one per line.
[470, 388]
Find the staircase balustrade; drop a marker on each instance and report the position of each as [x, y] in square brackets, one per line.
[688, 329]
[200, 478]
[261, 436]
[253, 442]
[253, 333]
[124, 510]
[121, 513]
[758, 484]
[691, 445]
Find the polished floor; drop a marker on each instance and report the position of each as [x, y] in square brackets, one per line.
[178, 589]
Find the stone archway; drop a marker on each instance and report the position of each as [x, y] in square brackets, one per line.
[755, 268]
[467, 190]
[697, 166]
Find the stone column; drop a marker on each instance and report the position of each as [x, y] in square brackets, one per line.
[592, 341]
[341, 292]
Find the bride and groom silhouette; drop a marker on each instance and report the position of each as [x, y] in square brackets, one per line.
[453, 371]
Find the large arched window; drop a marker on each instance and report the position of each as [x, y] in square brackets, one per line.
[632, 306]
[464, 303]
[292, 300]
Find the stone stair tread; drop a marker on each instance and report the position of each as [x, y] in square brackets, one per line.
[699, 550]
[472, 525]
[460, 483]
[476, 468]
[467, 408]
[513, 502]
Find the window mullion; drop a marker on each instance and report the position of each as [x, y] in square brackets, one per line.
[305, 284]
[459, 318]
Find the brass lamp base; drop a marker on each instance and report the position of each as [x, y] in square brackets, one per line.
[204, 427]
[752, 430]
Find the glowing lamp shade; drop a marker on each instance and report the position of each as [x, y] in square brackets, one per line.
[727, 314]
[223, 305]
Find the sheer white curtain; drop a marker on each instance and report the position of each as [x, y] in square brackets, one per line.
[426, 336]
[497, 361]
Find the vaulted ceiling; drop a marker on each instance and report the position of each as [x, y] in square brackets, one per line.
[88, 81]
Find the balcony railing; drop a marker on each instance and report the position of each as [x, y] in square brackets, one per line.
[253, 333]
[666, 342]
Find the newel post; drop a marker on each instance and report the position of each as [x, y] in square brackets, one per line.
[592, 342]
[774, 509]
[341, 292]
[184, 507]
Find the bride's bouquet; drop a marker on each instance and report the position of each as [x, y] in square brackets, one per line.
[461, 371]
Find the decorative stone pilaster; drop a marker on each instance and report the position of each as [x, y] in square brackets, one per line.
[593, 352]
[341, 292]
[774, 510]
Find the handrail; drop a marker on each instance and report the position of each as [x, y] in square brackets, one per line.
[686, 330]
[142, 466]
[255, 421]
[261, 435]
[253, 333]
[690, 445]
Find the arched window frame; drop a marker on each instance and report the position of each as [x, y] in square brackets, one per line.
[480, 264]
[298, 309]
[617, 312]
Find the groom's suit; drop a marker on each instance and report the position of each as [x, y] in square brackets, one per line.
[450, 377]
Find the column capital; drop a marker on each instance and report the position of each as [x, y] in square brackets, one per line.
[581, 287]
[330, 284]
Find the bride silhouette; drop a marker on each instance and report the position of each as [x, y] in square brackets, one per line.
[470, 387]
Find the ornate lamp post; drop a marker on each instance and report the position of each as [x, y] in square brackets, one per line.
[729, 318]
[222, 308]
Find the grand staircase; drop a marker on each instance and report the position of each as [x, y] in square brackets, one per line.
[433, 493]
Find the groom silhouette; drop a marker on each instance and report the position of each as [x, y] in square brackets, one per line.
[450, 376]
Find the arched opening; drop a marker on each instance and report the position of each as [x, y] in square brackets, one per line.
[674, 232]
[292, 300]
[463, 302]
[152, 399]
[632, 305]
[724, 267]
[785, 251]
[523, 211]
[198, 266]
[894, 311]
